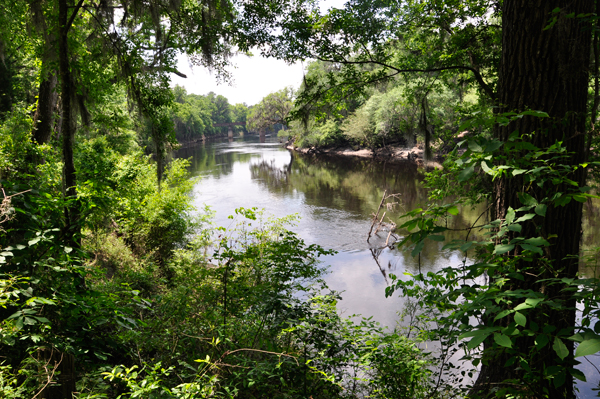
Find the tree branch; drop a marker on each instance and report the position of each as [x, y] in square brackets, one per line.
[75, 11]
[488, 90]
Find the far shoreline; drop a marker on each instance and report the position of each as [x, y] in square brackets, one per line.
[390, 153]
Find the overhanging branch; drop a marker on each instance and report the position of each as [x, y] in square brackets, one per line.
[486, 88]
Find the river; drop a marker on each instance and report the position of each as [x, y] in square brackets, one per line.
[335, 198]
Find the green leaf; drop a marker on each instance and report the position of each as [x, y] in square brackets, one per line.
[560, 378]
[537, 241]
[563, 200]
[486, 168]
[465, 247]
[560, 348]
[502, 340]
[525, 217]
[453, 210]
[503, 248]
[34, 241]
[503, 314]
[517, 172]
[541, 209]
[537, 114]
[477, 340]
[541, 341]
[418, 248]
[409, 225]
[520, 319]
[515, 227]
[527, 199]
[68, 249]
[474, 146]
[493, 145]
[588, 347]
[510, 215]
[533, 301]
[532, 248]
[578, 374]
[466, 173]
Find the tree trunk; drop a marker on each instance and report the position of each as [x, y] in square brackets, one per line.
[544, 70]
[43, 116]
[47, 96]
[68, 127]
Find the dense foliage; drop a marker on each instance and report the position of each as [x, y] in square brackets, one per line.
[195, 116]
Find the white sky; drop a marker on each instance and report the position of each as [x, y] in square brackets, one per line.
[253, 77]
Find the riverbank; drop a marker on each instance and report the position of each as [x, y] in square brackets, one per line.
[391, 153]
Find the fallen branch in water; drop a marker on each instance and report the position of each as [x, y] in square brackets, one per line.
[379, 224]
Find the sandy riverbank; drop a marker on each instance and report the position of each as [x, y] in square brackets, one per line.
[390, 153]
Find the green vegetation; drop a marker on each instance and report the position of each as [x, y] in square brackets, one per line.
[157, 302]
[400, 111]
[195, 116]
[528, 149]
[271, 111]
[112, 285]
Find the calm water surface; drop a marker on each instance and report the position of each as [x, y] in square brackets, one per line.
[335, 198]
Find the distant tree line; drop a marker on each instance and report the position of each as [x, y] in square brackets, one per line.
[196, 115]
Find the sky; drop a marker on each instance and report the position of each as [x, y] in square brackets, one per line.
[253, 78]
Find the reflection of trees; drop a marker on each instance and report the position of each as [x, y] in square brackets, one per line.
[356, 186]
[267, 173]
[340, 183]
[206, 157]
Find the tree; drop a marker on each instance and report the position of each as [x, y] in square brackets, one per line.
[537, 158]
[555, 81]
[539, 129]
[271, 110]
[373, 42]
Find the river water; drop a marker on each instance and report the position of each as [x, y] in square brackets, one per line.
[335, 198]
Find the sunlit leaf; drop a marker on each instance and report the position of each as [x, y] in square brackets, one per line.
[453, 210]
[520, 319]
[588, 347]
[541, 209]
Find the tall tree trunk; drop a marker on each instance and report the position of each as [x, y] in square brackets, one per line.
[68, 126]
[47, 96]
[546, 70]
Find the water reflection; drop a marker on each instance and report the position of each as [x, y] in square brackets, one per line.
[335, 197]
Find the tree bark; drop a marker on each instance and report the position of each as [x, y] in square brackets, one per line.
[71, 229]
[545, 70]
[47, 96]
[43, 116]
